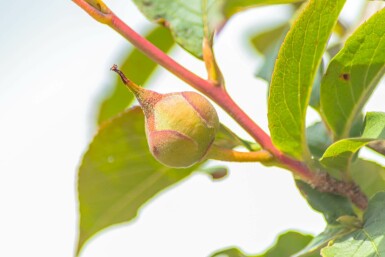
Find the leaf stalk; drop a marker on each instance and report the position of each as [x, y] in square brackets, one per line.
[230, 155]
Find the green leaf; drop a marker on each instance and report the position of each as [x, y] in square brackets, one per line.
[368, 241]
[370, 176]
[340, 154]
[233, 6]
[331, 232]
[374, 126]
[318, 139]
[137, 68]
[353, 74]
[294, 73]
[316, 89]
[118, 175]
[330, 205]
[267, 40]
[184, 19]
[287, 244]
[358, 124]
[268, 44]
[231, 252]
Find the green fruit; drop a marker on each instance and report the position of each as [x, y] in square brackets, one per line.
[180, 127]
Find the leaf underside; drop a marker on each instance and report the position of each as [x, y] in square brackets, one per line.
[370, 176]
[369, 240]
[364, 238]
[330, 205]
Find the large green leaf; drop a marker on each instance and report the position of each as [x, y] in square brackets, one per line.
[137, 68]
[287, 244]
[353, 74]
[340, 154]
[369, 240]
[330, 205]
[118, 175]
[294, 73]
[370, 176]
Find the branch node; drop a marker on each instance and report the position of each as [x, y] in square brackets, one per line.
[327, 184]
[96, 9]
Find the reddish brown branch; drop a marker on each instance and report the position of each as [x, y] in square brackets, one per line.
[328, 184]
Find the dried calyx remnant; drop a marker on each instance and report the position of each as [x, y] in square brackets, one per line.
[180, 127]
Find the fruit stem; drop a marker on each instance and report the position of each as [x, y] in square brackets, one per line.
[146, 98]
[131, 85]
[230, 155]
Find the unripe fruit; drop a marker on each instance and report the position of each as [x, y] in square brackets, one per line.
[180, 127]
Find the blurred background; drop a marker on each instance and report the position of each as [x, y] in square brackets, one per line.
[54, 62]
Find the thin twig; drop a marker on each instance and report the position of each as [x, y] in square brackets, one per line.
[230, 155]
